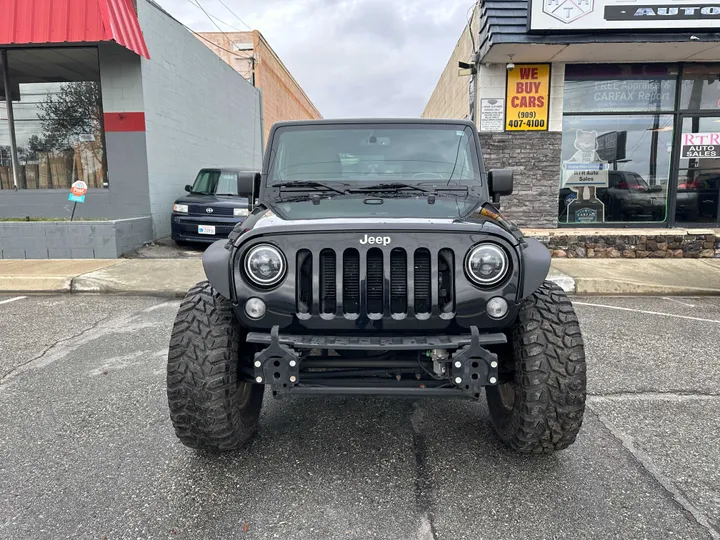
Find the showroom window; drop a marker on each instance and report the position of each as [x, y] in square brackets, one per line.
[617, 143]
[57, 110]
[700, 87]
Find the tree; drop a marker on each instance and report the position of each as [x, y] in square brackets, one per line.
[75, 110]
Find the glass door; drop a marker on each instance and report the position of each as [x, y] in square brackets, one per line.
[698, 171]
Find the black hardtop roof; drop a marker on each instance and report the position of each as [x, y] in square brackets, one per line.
[351, 121]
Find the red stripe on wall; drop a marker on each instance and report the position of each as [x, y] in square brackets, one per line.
[125, 121]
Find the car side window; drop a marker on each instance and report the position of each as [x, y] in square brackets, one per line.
[227, 183]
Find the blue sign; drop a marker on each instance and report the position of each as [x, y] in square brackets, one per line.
[585, 215]
[76, 198]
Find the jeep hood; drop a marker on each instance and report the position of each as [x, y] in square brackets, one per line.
[372, 207]
[453, 214]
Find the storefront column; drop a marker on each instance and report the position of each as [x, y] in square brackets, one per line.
[11, 119]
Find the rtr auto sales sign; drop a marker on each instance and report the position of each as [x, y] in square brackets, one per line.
[700, 145]
[572, 15]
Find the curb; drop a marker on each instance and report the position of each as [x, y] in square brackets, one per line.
[609, 287]
[35, 285]
[88, 285]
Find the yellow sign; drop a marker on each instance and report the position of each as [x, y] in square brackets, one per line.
[528, 90]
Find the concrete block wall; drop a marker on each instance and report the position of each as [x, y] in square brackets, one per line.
[73, 240]
[451, 96]
[199, 112]
[557, 91]
[283, 97]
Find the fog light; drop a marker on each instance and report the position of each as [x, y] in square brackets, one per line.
[497, 307]
[255, 308]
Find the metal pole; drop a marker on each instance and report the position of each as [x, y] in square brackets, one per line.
[11, 118]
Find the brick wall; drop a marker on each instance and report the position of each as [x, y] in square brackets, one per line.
[283, 98]
[451, 96]
[199, 112]
[534, 156]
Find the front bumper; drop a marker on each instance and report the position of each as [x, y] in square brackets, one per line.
[283, 363]
[185, 227]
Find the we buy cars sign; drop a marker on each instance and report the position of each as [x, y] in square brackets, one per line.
[700, 145]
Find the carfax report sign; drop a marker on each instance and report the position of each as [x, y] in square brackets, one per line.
[595, 15]
[527, 99]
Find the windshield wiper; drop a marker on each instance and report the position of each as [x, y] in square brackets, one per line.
[396, 187]
[309, 184]
[392, 187]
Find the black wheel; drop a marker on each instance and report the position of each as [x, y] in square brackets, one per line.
[540, 409]
[210, 407]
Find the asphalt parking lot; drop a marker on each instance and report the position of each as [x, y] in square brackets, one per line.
[87, 449]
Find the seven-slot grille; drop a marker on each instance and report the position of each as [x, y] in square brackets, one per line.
[375, 282]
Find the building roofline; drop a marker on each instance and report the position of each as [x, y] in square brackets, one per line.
[257, 35]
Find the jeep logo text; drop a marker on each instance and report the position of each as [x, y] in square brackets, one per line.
[381, 240]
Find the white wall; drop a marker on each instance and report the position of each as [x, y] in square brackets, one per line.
[557, 88]
[199, 112]
[492, 82]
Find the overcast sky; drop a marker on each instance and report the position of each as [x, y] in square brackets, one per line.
[352, 58]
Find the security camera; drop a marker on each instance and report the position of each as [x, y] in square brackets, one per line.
[509, 66]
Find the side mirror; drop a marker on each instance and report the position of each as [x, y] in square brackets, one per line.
[248, 184]
[188, 188]
[500, 182]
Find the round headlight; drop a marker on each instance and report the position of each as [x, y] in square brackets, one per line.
[486, 264]
[265, 265]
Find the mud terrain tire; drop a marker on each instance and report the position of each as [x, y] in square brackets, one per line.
[540, 409]
[210, 407]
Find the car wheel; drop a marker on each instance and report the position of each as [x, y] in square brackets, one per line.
[540, 407]
[211, 408]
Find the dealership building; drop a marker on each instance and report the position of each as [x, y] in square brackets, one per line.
[607, 110]
[119, 95]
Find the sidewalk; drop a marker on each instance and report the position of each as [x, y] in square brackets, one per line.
[173, 277]
[147, 277]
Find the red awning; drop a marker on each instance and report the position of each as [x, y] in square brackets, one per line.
[25, 22]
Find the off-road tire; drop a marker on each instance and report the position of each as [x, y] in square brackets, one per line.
[210, 407]
[548, 380]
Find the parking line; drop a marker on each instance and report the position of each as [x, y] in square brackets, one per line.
[677, 301]
[647, 312]
[12, 299]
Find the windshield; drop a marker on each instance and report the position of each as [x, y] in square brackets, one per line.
[216, 183]
[375, 153]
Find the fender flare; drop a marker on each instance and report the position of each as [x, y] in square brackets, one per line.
[216, 262]
[535, 266]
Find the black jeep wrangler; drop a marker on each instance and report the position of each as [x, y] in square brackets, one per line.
[376, 263]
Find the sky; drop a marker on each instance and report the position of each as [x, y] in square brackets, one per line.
[353, 58]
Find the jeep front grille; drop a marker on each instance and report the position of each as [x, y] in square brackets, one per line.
[375, 283]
